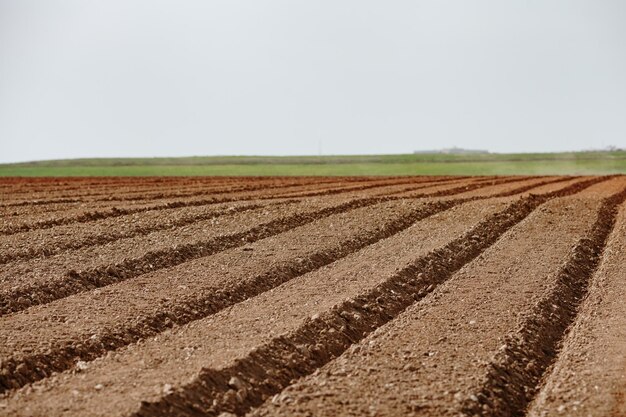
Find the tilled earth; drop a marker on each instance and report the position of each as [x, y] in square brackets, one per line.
[267, 296]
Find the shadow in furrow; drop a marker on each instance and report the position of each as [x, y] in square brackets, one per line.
[272, 367]
[59, 358]
[516, 371]
[74, 281]
[117, 212]
[63, 357]
[112, 236]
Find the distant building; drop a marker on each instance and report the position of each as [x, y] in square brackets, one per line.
[454, 151]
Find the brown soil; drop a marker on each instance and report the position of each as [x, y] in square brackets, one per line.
[80, 212]
[302, 296]
[119, 253]
[589, 377]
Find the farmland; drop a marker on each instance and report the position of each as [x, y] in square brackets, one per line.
[559, 163]
[326, 296]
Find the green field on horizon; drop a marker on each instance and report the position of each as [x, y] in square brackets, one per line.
[566, 163]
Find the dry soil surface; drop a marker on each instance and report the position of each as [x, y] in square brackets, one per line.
[347, 296]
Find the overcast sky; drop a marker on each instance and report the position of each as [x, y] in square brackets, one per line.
[87, 78]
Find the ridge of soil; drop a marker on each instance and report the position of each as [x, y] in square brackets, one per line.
[416, 296]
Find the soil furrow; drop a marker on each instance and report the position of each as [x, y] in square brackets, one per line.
[437, 185]
[524, 189]
[231, 319]
[72, 237]
[228, 191]
[515, 373]
[202, 303]
[550, 186]
[143, 183]
[497, 189]
[89, 216]
[39, 202]
[138, 189]
[475, 185]
[52, 183]
[118, 189]
[275, 360]
[261, 189]
[427, 360]
[63, 183]
[351, 231]
[24, 217]
[55, 278]
[458, 186]
[389, 191]
[177, 191]
[30, 211]
[503, 191]
[48, 242]
[589, 376]
[344, 190]
[278, 363]
[42, 287]
[62, 238]
[133, 192]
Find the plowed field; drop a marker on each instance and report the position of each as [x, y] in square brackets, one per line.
[359, 296]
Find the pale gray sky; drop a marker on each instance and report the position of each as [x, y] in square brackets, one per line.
[82, 78]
